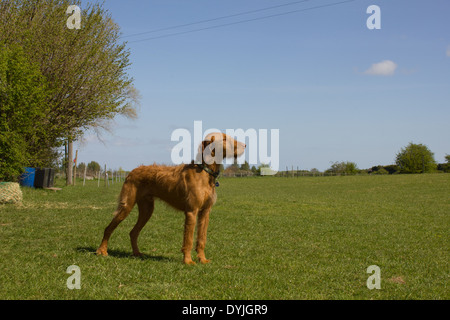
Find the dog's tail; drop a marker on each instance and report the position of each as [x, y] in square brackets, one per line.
[127, 198]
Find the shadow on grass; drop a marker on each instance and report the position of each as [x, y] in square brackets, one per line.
[126, 254]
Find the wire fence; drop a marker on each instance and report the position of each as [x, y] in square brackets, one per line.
[102, 177]
[110, 177]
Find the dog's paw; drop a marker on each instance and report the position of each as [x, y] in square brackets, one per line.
[102, 252]
[189, 262]
[138, 254]
[204, 260]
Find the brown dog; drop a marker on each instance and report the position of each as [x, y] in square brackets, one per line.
[187, 187]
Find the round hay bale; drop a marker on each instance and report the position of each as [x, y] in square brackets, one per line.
[10, 193]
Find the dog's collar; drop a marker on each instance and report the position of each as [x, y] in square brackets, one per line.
[212, 173]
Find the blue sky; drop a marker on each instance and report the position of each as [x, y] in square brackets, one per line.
[334, 89]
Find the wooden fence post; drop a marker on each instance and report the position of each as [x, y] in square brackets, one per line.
[75, 168]
[84, 178]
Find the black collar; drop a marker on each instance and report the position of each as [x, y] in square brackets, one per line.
[212, 173]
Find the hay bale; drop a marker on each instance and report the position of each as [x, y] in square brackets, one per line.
[10, 193]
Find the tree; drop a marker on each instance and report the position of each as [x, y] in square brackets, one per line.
[86, 69]
[81, 166]
[245, 166]
[93, 167]
[22, 106]
[416, 158]
[351, 168]
[444, 166]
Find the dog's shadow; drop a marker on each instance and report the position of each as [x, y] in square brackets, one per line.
[125, 254]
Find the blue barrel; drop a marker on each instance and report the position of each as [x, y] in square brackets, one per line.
[26, 179]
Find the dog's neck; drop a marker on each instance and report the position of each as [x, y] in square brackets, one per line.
[212, 169]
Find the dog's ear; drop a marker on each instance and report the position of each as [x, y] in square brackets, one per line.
[207, 144]
[211, 145]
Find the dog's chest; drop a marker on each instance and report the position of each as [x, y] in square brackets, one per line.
[210, 198]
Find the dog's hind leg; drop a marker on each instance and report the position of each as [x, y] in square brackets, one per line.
[146, 207]
[124, 208]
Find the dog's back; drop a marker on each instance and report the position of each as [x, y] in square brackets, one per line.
[179, 186]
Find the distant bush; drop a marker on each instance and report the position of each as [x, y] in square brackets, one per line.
[380, 171]
[390, 169]
[343, 168]
[444, 167]
[416, 158]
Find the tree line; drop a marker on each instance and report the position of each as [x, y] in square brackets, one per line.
[414, 158]
[56, 82]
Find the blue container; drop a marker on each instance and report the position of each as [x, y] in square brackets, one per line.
[26, 179]
[41, 178]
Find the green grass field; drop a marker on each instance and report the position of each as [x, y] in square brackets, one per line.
[269, 238]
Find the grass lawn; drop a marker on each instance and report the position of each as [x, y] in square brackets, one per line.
[268, 238]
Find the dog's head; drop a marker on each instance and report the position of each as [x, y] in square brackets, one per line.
[218, 146]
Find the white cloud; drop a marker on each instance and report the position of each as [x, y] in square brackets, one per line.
[448, 51]
[383, 68]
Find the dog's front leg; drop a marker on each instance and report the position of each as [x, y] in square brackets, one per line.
[189, 228]
[202, 227]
